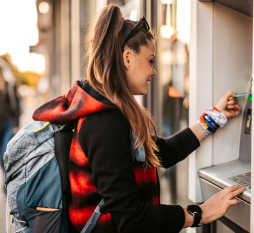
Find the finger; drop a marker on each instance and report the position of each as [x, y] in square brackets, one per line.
[230, 102]
[238, 109]
[229, 94]
[232, 98]
[234, 109]
[227, 190]
[230, 189]
[234, 193]
[231, 109]
[231, 106]
[233, 202]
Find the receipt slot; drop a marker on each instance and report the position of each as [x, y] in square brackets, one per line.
[215, 178]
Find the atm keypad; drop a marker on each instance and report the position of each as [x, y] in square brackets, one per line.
[243, 179]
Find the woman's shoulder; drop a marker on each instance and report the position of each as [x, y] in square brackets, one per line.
[103, 131]
[109, 121]
[113, 116]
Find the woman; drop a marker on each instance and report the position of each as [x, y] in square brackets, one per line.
[121, 57]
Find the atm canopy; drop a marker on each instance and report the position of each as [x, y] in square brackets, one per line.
[242, 6]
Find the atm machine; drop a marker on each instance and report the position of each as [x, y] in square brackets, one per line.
[222, 59]
[215, 178]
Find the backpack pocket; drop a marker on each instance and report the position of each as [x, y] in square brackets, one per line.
[43, 190]
[45, 221]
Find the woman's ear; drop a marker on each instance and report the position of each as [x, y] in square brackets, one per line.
[127, 56]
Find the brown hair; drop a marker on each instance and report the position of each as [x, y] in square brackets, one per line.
[104, 41]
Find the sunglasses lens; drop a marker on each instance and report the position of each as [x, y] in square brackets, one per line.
[145, 25]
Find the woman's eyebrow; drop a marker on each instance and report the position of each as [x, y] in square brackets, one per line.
[153, 55]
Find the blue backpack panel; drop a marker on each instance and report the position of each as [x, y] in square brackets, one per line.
[33, 177]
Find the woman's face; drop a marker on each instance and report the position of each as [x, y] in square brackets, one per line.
[139, 67]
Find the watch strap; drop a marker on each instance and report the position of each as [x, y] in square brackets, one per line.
[196, 221]
[196, 212]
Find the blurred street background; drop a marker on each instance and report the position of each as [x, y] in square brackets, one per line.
[42, 55]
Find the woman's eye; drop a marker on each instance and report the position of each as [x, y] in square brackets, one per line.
[152, 62]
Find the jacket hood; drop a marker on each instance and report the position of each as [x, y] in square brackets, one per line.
[80, 101]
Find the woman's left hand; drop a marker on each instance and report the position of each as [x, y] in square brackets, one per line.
[228, 105]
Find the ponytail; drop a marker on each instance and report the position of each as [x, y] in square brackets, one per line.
[106, 73]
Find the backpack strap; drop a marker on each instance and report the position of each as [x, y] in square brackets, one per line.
[93, 219]
[96, 214]
[138, 153]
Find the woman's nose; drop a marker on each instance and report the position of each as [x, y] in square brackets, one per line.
[154, 72]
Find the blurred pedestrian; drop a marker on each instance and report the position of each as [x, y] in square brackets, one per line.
[9, 111]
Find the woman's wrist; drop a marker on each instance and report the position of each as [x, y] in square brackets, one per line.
[199, 133]
[189, 219]
[211, 120]
[202, 221]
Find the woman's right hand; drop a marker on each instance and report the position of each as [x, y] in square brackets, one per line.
[219, 203]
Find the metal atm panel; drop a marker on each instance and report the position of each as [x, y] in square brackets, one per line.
[245, 139]
[242, 6]
[239, 219]
[215, 178]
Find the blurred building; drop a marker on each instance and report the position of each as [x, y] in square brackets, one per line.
[62, 27]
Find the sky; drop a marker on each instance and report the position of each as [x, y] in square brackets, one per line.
[18, 30]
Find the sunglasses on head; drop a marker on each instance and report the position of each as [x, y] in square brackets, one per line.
[142, 22]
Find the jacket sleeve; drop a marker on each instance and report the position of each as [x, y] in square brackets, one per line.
[177, 147]
[105, 139]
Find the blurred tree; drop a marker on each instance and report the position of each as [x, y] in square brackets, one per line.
[29, 78]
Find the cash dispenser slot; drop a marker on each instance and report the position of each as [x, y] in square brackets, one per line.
[215, 178]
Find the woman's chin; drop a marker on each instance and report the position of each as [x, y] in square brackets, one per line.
[144, 92]
[141, 92]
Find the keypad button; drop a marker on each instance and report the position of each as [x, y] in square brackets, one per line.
[243, 179]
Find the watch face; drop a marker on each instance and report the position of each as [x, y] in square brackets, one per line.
[194, 210]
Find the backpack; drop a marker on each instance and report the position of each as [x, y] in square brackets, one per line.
[36, 177]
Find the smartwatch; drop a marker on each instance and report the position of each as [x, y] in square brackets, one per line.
[196, 212]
